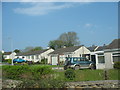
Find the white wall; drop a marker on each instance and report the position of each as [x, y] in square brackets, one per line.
[45, 54]
[99, 65]
[11, 56]
[40, 56]
[108, 60]
[81, 50]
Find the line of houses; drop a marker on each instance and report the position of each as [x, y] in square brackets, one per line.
[104, 56]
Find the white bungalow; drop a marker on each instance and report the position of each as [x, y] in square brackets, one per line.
[35, 56]
[9, 55]
[58, 56]
[106, 55]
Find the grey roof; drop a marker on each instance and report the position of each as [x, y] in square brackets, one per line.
[63, 50]
[7, 53]
[115, 44]
[31, 53]
[92, 48]
[101, 48]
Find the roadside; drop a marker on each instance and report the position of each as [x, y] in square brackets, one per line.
[81, 84]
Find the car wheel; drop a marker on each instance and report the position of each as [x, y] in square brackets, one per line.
[76, 67]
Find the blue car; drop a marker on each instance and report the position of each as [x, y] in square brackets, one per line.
[18, 60]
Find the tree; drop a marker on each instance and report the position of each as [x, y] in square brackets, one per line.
[36, 48]
[70, 38]
[29, 49]
[17, 51]
[55, 44]
[65, 39]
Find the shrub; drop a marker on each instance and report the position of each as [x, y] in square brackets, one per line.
[9, 61]
[117, 65]
[43, 83]
[70, 74]
[20, 72]
[13, 72]
[44, 61]
[52, 83]
[39, 72]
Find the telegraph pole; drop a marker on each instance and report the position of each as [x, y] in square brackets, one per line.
[11, 44]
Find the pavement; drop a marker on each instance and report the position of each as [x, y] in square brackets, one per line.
[57, 68]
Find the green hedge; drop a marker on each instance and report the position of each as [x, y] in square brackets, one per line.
[7, 61]
[117, 65]
[25, 71]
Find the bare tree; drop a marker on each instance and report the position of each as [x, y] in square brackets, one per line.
[70, 38]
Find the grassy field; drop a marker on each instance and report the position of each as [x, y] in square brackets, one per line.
[90, 75]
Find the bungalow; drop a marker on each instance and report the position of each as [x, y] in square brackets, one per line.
[98, 56]
[35, 56]
[105, 56]
[58, 56]
[112, 53]
[9, 55]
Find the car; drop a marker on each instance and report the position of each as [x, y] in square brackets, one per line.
[78, 63]
[18, 60]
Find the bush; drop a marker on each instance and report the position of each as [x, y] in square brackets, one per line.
[39, 72]
[14, 72]
[117, 65]
[43, 61]
[20, 71]
[43, 83]
[9, 61]
[70, 74]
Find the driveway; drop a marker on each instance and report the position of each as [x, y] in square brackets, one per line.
[57, 68]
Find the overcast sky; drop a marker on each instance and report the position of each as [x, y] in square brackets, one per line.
[35, 24]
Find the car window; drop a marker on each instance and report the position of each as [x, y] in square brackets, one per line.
[75, 60]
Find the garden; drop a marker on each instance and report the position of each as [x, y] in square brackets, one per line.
[43, 76]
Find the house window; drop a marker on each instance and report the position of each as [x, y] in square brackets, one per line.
[37, 56]
[74, 59]
[28, 57]
[32, 57]
[116, 57]
[101, 58]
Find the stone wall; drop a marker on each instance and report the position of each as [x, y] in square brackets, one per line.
[83, 85]
[94, 84]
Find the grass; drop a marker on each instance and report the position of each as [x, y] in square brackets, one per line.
[114, 74]
[80, 75]
[90, 75]
[41, 76]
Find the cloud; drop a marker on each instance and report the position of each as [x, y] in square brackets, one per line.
[42, 8]
[88, 25]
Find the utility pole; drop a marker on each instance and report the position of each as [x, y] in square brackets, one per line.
[11, 44]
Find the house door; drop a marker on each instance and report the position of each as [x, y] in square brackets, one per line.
[54, 60]
[93, 58]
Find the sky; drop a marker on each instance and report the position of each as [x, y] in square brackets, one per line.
[35, 24]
